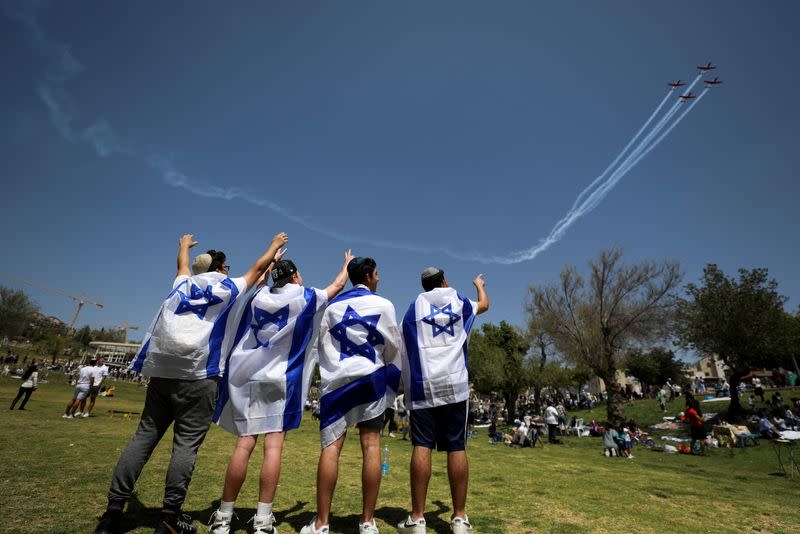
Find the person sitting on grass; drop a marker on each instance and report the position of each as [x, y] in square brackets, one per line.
[765, 427]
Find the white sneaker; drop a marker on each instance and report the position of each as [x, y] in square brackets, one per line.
[460, 526]
[309, 528]
[262, 524]
[65, 416]
[77, 414]
[368, 528]
[86, 414]
[220, 523]
[409, 526]
[392, 435]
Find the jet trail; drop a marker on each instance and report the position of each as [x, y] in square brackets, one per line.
[580, 197]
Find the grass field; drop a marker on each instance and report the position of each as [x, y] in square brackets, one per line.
[55, 473]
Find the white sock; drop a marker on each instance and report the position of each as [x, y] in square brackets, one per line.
[226, 507]
[264, 508]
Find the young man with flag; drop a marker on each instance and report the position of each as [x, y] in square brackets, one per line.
[359, 359]
[436, 384]
[266, 382]
[182, 353]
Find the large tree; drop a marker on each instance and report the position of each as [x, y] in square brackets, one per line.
[16, 311]
[593, 324]
[740, 319]
[497, 361]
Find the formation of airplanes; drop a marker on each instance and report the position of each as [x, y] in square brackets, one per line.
[709, 83]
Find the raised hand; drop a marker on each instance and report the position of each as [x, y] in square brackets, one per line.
[187, 241]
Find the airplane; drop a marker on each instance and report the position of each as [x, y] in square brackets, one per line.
[688, 96]
[712, 83]
[707, 67]
[675, 85]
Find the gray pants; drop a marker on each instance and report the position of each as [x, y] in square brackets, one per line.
[190, 405]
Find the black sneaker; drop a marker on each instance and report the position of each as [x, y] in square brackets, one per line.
[109, 523]
[175, 524]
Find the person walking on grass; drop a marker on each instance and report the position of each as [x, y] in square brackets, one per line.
[182, 354]
[99, 372]
[29, 379]
[359, 363]
[436, 331]
[82, 388]
[266, 382]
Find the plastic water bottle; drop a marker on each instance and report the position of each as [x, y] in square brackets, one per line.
[385, 460]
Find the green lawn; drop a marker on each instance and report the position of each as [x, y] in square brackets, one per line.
[55, 473]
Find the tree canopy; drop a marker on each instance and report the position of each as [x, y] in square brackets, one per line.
[740, 319]
[621, 307]
[16, 311]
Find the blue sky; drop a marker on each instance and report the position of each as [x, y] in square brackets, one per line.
[418, 128]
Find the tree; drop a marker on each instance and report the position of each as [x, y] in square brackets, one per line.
[497, 361]
[542, 345]
[16, 311]
[653, 368]
[623, 306]
[741, 320]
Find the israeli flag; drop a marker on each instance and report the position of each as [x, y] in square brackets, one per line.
[359, 357]
[190, 334]
[436, 331]
[269, 369]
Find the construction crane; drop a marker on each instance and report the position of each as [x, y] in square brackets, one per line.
[80, 300]
[124, 327]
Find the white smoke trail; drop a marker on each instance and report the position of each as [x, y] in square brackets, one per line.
[61, 66]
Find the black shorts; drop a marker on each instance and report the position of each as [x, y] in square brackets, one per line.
[94, 391]
[376, 423]
[697, 432]
[442, 427]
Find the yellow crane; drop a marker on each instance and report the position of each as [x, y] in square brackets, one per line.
[80, 300]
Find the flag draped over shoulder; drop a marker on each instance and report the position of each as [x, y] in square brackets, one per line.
[268, 371]
[190, 334]
[359, 355]
[436, 331]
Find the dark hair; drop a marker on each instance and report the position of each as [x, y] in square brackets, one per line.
[359, 268]
[29, 371]
[217, 260]
[434, 281]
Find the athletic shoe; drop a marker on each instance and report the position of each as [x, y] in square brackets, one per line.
[109, 523]
[392, 435]
[263, 524]
[65, 416]
[368, 528]
[86, 414]
[309, 528]
[175, 524]
[77, 414]
[220, 523]
[410, 526]
[460, 526]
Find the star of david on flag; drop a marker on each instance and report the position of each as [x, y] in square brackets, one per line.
[351, 318]
[197, 302]
[452, 319]
[262, 318]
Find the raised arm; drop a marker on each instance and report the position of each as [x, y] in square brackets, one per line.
[341, 279]
[184, 244]
[483, 298]
[261, 264]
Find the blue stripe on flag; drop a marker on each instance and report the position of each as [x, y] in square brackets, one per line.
[224, 394]
[351, 294]
[393, 377]
[469, 318]
[218, 332]
[364, 390]
[140, 357]
[417, 392]
[301, 336]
